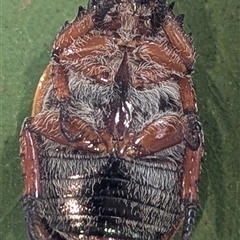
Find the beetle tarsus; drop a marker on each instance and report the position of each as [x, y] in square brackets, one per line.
[189, 220]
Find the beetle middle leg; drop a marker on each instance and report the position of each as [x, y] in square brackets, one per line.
[68, 130]
[59, 126]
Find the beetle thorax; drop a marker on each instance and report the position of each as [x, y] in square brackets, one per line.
[126, 30]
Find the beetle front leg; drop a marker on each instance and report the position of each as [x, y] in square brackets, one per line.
[162, 54]
[87, 48]
[79, 27]
[179, 41]
[176, 54]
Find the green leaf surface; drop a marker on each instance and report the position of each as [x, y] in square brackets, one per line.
[28, 29]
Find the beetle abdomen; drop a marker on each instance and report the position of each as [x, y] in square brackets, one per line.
[107, 196]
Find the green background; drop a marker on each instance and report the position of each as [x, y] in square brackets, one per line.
[28, 29]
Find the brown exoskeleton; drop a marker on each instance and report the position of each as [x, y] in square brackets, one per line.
[113, 147]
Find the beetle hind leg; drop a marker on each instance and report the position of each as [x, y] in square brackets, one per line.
[189, 220]
[37, 228]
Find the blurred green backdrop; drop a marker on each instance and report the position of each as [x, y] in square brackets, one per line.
[28, 28]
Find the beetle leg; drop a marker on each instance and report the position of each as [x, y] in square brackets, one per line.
[191, 173]
[79, 27]
[162, 133]
[187, 94]
[161, 54]
[60, 83]
[85, 46]
[32, 186]
[75, 132]
[179, 41]
[68, 130]
[30, 162]
[180, 58]
[188, 100]
[193, 155]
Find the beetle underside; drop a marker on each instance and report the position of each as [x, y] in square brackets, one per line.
[113, 148]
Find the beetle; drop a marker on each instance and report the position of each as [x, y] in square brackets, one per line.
[113, 148]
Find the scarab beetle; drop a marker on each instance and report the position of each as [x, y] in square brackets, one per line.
[113, 147]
